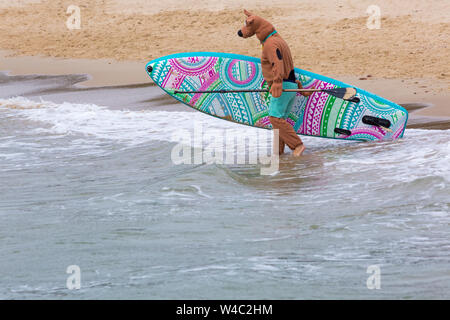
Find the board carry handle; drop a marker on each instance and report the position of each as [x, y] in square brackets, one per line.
[378, 122]
[343, 131]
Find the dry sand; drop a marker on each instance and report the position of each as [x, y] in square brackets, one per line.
[327, 37]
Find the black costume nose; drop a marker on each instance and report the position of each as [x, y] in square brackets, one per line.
[240, 33]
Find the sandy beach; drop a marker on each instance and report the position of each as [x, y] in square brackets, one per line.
[328, 37]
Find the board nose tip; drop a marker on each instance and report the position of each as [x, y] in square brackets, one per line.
[149, 69]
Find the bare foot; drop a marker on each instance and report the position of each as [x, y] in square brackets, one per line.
[299, 150]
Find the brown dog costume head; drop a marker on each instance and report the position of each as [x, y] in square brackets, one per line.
[276, 60]
[255, 25]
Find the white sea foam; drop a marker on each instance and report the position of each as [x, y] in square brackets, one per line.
[136, 127]
[372, 203]
[421, 153]
[123, 125]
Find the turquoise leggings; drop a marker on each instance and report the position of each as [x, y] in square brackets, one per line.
[281, 107]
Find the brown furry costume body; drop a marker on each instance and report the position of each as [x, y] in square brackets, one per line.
[277, 66]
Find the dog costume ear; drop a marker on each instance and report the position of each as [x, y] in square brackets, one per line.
[248, 14]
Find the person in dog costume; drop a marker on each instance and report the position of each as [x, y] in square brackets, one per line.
[278, 71]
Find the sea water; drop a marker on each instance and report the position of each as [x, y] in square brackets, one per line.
[94, 185]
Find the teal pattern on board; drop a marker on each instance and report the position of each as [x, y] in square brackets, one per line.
[317, 115]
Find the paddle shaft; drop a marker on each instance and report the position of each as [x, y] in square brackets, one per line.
[347, 94]
[247, 90]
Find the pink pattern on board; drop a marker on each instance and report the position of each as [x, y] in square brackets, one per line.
[290, 121]
[313, 110]
[176, 82]
[398, 132]
[241, 82]
[193, 71]
[166, 79]
[368, 131]
[263, 122]
[204, 87]
[173, 80]
[314, 84]
[379, 130]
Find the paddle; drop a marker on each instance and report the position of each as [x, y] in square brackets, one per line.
[347, 94]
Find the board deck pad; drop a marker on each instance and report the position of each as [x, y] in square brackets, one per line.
[317, 115]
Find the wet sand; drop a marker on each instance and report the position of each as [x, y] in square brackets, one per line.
[102, 72]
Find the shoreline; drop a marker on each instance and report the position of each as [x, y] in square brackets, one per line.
[101, 72]
[424, 98]
[404, 60]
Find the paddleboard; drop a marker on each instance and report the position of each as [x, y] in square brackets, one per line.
[320, 115]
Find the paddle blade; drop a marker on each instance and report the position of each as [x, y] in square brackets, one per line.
[342, 93]
[354, 100]
[349, 93]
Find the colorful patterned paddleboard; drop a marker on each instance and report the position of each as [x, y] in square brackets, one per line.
[320, 114]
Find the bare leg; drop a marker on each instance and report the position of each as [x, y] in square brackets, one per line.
[299, 150]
